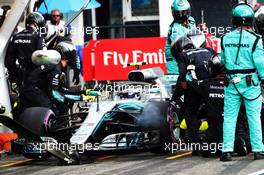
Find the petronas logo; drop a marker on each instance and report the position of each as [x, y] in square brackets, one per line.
[180, 3]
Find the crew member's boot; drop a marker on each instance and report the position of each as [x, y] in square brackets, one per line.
[226, 157]
[258, 155]
[240, 147]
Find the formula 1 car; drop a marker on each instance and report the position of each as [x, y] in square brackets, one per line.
[141, 118]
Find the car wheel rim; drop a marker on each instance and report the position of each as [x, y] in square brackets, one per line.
[174, 124]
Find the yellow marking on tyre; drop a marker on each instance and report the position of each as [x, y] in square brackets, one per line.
[6, 161]
[104, 158]
[179, 156]
[16, 163]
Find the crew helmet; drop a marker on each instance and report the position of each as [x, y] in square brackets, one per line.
[35, 18]
[242, 15]
[67, 51]
[180, 44]
[215, 67]
[181, 10]
[259, 17]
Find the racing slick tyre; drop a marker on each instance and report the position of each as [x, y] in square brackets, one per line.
[156, 115]
[36, 119]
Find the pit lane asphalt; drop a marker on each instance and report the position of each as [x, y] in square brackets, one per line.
[133, 164]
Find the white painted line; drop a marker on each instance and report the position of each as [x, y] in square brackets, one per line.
[258, 172]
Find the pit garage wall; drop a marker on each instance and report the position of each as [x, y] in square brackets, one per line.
[214, 15]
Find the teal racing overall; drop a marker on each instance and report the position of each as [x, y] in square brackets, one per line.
[242, 55]
[176, 30]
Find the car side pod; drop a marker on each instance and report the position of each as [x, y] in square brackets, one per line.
[64, 158]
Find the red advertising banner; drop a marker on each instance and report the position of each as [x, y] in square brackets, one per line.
[108, 59]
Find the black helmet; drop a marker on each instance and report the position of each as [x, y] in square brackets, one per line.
[259, 16]
[35, 18]
[215, 67]
[197, 37]
[67, 51]
[180, 44]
